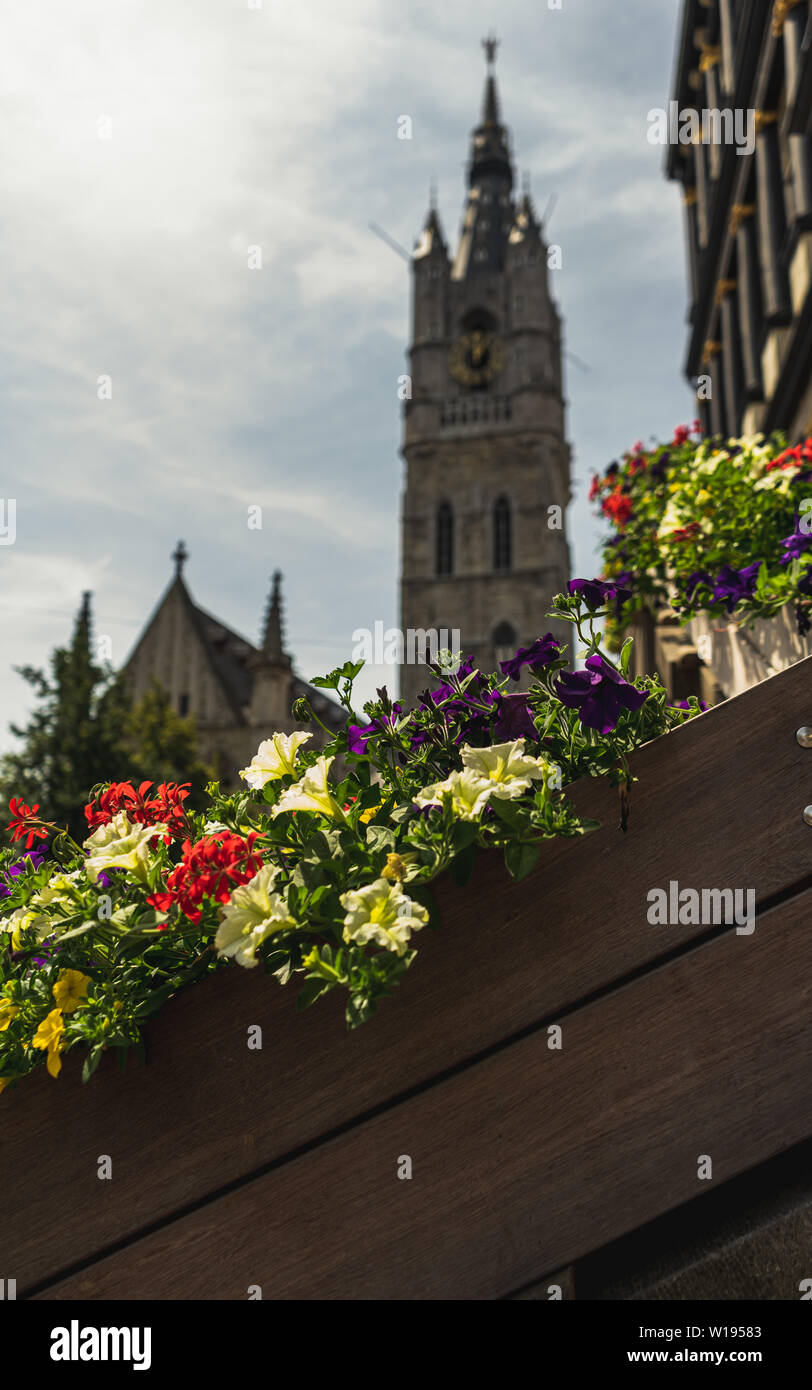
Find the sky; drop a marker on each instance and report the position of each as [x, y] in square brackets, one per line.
[157, 382]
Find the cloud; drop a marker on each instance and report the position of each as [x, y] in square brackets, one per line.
[231, 127]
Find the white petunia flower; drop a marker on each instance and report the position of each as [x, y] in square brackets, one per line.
[275, 758]
[505, 766]
[468, 791]
[21, 919]
[57, 891]
[312, 793]
[121, 844]
[252, 913]
[383, 913]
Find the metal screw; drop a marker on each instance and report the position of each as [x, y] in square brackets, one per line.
[804, 736]
[808, 814]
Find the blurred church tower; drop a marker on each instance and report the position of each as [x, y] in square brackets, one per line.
[237, 694]
[487, 478]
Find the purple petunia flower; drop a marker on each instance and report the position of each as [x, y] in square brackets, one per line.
[597, 592]
[796, 544]
[686, 704]
[514, 718]
[694, 580]
[544, 651]
[358, 735]
[599, 694]
[730, 586]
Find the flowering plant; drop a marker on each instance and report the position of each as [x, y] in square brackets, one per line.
[722, 528]
[320, 867]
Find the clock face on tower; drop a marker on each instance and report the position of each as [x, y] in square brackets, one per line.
[476, 358]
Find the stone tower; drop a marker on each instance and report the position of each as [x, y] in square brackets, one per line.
[487, 476]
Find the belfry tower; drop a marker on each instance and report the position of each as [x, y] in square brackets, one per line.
[487, 476]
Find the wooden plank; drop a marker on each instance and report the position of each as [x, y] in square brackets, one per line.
[718, 804]
[556, 1287]
[530, 1158]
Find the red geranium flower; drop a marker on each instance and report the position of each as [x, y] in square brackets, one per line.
[618, 507]
[26, 822]
[166, 805]
[685, 533]
[212, 868]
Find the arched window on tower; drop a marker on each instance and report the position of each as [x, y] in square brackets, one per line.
[504, 644]
[502, 535]
[445, 539]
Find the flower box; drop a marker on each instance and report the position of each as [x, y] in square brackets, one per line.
[721, 531]
[459, 1145]
[738, 656]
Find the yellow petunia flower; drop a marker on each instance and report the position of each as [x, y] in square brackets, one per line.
[50, 1037]
[8, 1011]
[70, 990]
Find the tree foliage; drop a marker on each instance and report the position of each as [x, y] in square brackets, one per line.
[86, 729]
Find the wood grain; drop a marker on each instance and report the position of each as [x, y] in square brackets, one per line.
[528, 1160]
[718, 804]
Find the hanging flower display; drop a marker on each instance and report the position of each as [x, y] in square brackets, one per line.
[714, 526]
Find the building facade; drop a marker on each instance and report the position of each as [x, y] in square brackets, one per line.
[238, 694]
[747, 187]
[487, 464]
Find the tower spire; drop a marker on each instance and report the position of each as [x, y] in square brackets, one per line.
[489, 212]
[272, 640]
[490, 105]
[431, 241]
[490, 155]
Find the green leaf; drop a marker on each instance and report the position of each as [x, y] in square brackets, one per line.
[79, 931]
[507, 811]
[463, 864]
[91, 1062]
[463, 834]
[625, 654]
[351, 669]
[359, 1008]
[380, 837]
[311, 991]
[521, 859]
[328, 682]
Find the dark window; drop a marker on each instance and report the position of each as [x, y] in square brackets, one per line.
[502, 539]
[183, 705]
[481, 319]
[445, 539]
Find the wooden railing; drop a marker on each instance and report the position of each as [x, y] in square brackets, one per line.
[278, 1168]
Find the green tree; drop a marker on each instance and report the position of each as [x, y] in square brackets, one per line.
[162, 745]
[85, 730]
